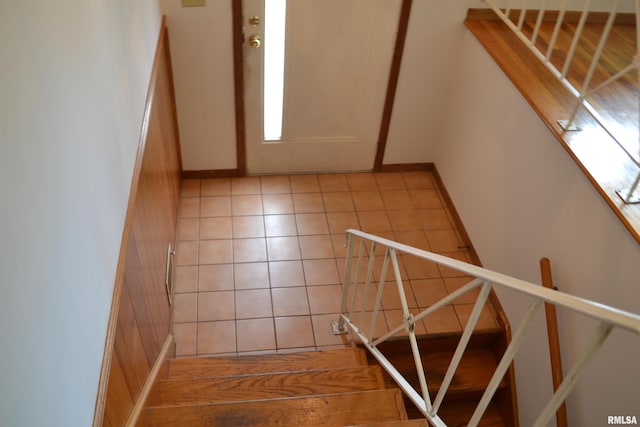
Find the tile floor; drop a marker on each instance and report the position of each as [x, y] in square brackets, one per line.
[259, 260]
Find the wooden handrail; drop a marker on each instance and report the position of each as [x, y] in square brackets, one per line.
[554, 340]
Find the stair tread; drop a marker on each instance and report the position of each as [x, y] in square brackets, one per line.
[266, 363]
[458, 415]
[406, 423]
[265, 386]
[330, 410]
[472, 375]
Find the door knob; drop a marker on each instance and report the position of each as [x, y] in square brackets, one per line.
[255, 41]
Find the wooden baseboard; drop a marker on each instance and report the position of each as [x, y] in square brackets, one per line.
[214, 173]
[151, 379]
[406, 167]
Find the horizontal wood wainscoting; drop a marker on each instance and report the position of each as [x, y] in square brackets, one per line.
[138, 337]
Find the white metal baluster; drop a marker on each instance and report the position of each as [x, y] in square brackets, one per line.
[367, 285]
[536, 30]
[411, 329]
[507, 8]
[523, 13]
[596, 58]
[376, 308]
[356, 279]
[576, 39]
[572, 377]
[462, 345]
[507, 357]
[339, 327]
[556, 30]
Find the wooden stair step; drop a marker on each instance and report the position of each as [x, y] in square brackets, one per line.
[471, 377]
[263, 364]
[331, 410]
[458, 414]
[265, 386]
[406, 423]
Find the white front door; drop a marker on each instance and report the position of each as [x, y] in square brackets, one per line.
[337, 57]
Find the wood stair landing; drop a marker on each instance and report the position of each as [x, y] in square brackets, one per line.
[327, 388]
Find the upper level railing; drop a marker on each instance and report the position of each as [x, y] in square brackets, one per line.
[354, 306]
[527, 18]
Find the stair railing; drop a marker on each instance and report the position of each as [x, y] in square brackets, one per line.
[514, 13]
[354, 307]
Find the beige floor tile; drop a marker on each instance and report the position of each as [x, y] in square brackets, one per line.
[443, 320]
[215, 228]
[396, 199]
[215, 277]
[391, 298]
[253, 303]
[253, 275]
[314, 247]
[485, 321]
[323, 333]
[452, 272]
[188, 229]
[418, 180]
[248, 226]
[216, 187]
[190, 188]
[215, 252]
[245, 185]
[415, 238]
[404, 220]
[256, 334]
[277, 204]
[277, 184]
[280, 225]
[312, 223]
[395, 318]
[418, 268]
[390, 181]
[185, 336]
[185, 307]
[246, 205]
[290, 301]
[339, 201]
[215, 206]
[443, 240]
[216, 337]
[454, 283]
[367, 200]
[374, 221]
[286, 273]
[308, 203]
[321, 272]
[187, 253]
[249, 250]
[428, 291]
[426, 199]
[304, 183]
[283, 248]
[294, 332]
[325, 299]
[362, 181]
[219, 305]
[189, 207]
[333, 182]
[186, 279]
[339, 222]
[434, 219]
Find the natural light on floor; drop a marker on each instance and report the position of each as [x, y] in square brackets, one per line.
[275, 24]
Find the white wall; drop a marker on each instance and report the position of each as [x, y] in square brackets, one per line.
[521, 197]
[433, 39]
[73, 83]
[202, 56]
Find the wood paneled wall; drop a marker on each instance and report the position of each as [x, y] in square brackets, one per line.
[140, 303]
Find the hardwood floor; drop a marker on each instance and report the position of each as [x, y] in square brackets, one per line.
[594, 150]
